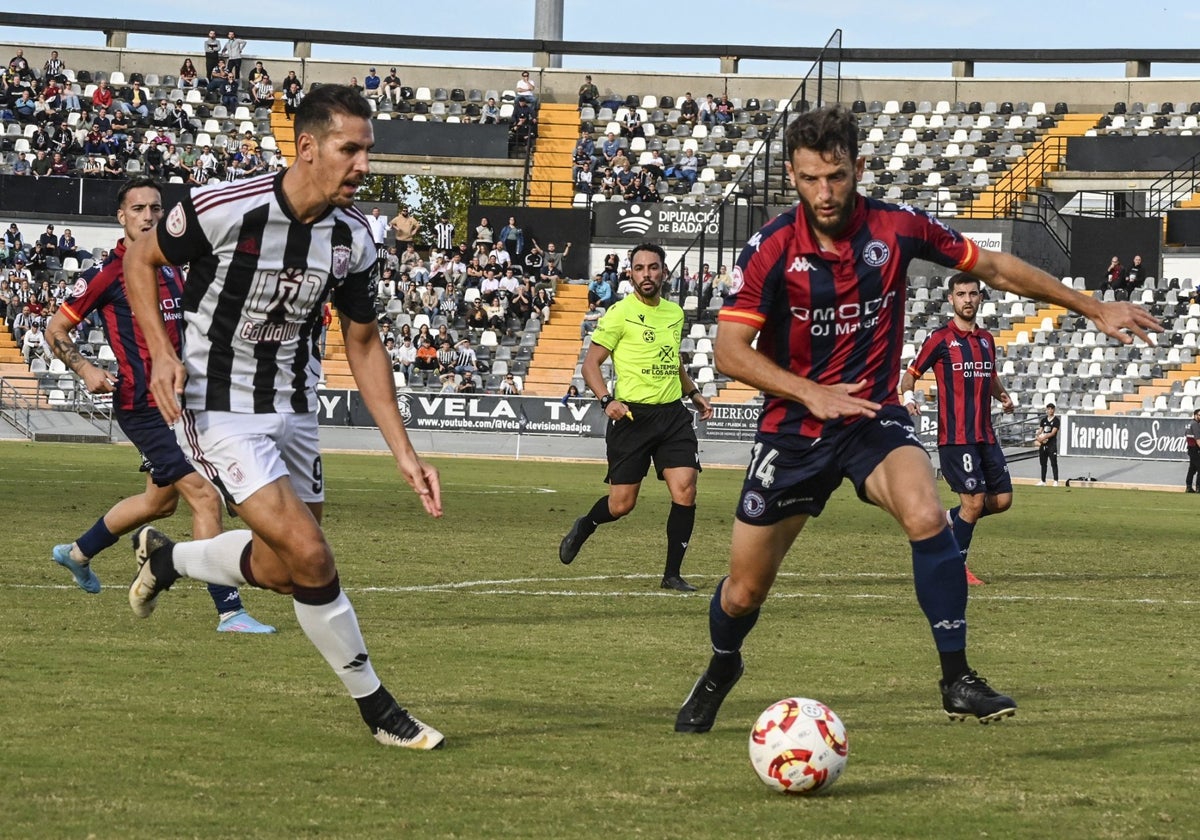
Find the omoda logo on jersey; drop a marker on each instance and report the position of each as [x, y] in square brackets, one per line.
[845, 318]
[971, 370]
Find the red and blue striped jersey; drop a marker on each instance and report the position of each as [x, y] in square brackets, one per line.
[964, 365]
[102, 288]
[836, 317]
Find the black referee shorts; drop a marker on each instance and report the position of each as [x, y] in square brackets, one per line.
[662, 432]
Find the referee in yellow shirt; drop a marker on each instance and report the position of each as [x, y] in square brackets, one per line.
[646, 416]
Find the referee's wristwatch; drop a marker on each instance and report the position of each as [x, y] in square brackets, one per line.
[605, 400]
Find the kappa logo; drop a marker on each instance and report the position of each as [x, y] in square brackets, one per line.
[801, 264]
[754, 241]
[955, 343]
[635, 219]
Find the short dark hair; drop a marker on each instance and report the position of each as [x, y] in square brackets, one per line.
[315, 113]
[831, 131]
[961, 279]
[1049, 405]
[653, 248]
[137, 183]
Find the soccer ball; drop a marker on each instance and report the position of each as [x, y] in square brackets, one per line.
[798, 745]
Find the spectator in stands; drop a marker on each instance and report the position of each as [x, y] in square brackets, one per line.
[41, 164]
[631, 125]
[656, 166]
[405, 357]
[63, 140]
[468, 385]
[67, 246]
[622, 169]
[161, 116]
[21, 165]
[685, 168]
[33, 343]
[138, 102]
[722, 283]
[188, 75]
[228, 91]
[583, 178]
[22, 321]
[543, 299]
[526, 89]
[689, 110]
[18, 66]
[292, 96]
[372, 85]
[354, 85]
[708, 110]
[585, 148]
[524, 123]
[232, 51]
[216, 76]
[263, 92]
[426, 361]
[610, 147]
[206, 167]
[572, 394]
[520, 304]
[554, 258]
[600, 292]
[1135, 275]
[590, 318]
[392, 87]
[534, 260]
[256, 73]
[113, 168]
[724, 113]
[55, 68]
[509, 386]
[49, 242]
[25, 109]
[608, 182]
[512, 237]
[483, 233]
[212, 53]
[1114, 275]
[589, 94]
[490, 113]
[406, 228]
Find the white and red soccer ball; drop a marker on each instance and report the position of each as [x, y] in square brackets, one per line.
[798, 746]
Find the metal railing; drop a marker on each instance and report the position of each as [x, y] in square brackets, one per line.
[15, 408]
[1181, 182]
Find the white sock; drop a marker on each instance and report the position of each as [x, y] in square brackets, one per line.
[216, 560]
[333, 628]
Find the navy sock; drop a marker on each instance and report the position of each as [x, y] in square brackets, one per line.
[940, 580]
[727, 632]
[680, 522]
[97, 538]
[225, 598]
[954, 664]
[963, 532]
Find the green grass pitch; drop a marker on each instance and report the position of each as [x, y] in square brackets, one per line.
[557, 686]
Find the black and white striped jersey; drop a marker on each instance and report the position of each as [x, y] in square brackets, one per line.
[253, 298]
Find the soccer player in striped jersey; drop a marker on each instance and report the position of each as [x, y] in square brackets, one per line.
[169, 474]
[265, 254]
[963, 357]
[822, 289]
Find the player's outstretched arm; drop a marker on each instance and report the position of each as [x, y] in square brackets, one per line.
[58, 336]
[736, 357]
[1011, 274]
[372, 370]
[143, 258]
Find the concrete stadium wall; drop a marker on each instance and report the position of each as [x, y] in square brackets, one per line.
[556, 85]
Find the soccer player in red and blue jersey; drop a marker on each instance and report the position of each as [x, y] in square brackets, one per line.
[169, 474]
[963, 358]
[822, 289]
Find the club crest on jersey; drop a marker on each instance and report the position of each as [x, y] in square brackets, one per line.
[753, 504]
[876, 253]
[341, 261]
[177, 221]
[736, 280]
[648, 336]
[79, 288]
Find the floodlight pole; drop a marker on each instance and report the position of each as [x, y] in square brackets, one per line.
[547, 26]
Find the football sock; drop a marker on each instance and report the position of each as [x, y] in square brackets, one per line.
[680, 522]
[963, 532]
[97, 538]
[215, 560]
[225, 598]
[727, 632]
[941, 585]
[375, 705]
[598, 515]
[954, 664]
[327, 618]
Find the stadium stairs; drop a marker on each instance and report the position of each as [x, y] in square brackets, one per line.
[334, 366]
[281, 127]
[557, 352]
[1135, 402]
[13, 368]
[550, 180]
[1029, 171]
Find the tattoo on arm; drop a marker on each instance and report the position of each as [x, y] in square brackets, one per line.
[66, 350]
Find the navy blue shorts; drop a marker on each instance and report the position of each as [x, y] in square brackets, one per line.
[975, 468]
[790, 475]
[155, 440]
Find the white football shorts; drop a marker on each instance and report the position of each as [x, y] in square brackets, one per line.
[242, 453]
